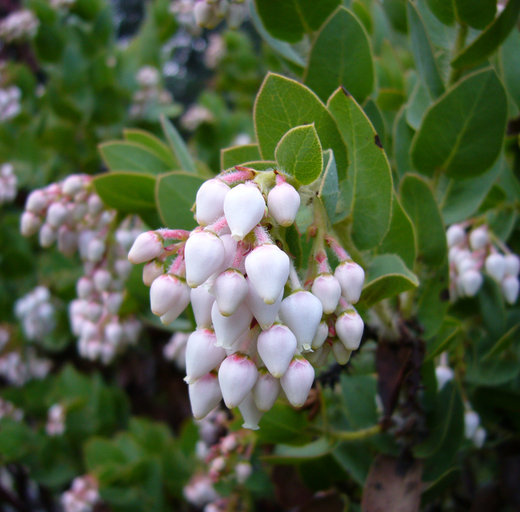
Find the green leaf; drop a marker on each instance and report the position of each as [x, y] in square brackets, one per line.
[418, 201]
[400, 238]
[291, 19]
[329, 188]
[153, 144]
[423, 52]
[358, 393]
[476, 13]
[282, 104]
[487, 42]
[175, 195]
[299, 154]
[443, 340]
[102, 452]
[341, 55]
[492, 307]
[505, 341]
[510, 65]
[443, 10]
[16, 440]
[236, 155]
[177, 145]
[129, 156]
[402, 136]
[282, 424]
[387, 275]
[433, 301]
[355, 459]
[441, 35]
[369, 183]
[417, 104]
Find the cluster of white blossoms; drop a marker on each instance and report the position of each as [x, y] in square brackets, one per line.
[472, 428]
[8, 183]
[17, 368]
[195, 116]
[9, 102]
[150, 94]
[82, 496]
[209, 13]
[8, 410]
[36, 313]
[474, 251]
[55, 420]
[19, 26]
[257, 326]
[73, 215]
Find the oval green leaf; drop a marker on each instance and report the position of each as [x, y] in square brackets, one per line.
[236, 155]
[178, 146]
[129, 156]
[476, 13]
[153, 144]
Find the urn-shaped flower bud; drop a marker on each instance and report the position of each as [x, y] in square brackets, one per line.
[146, 247]
[29, 223]
[512, 264]
[471, 423]
[327, 288]
[250, 412]
[349, 328]
[301, 312]
[84, 287]
[168, 293]
[322, 334]
[114, 333]
[201, 302]
[151, 271]
[266, 390]
[244, 208]
[496, 266]
[204, 395]
[230, 290]
[470, 282]
[237, 376]
[267, 268]
[276, 346]
[351, 278]
[102, 279]
[479, 437]
[203, 254]
[68, 241]
[455, 235]
[283, 202]
[56, 214]
[72, 184]
[265, 314]
[510, 286]
[47, 235]
[96, 249]
[341, 354]
[443, 374]
[36, 202]
[205, 14]
[210, 201]
[297, 381]
[202, 355]
[478, 238]
[228, 329]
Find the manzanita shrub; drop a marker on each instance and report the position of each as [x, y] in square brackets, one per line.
[301, 295]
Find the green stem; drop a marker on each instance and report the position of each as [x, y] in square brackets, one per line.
[357, 435]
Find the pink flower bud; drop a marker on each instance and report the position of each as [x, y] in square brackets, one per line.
[123, 268]
[201, 303]
[301, 312]
[29, 224]
[471, 281]
[478, 238]
[205, 395]
[349, 328]
[47, 235]
[512, 264]
[94, 311]
[36, 202]
[267, 268]
[56, 214]
[283, 202]
[327, 288]
[168, 293]
[230, 291]
[95, 205]
[113, 302]
[265, 314]
[321, 335]
[266, 390]
[96, 249]
[341, 354]
[510, 288]
[210, 201]
[204, 254]
[243, 471]
[72, 184]
[84, 287]
[229, 328]
[297, 381]
[244, 208]
[351, 278]
[151, 271]
[67, 241]
[276, 346]
[102, 279]
[250, 412]
[202, 355]
[496, 266]
[237, 376]
[114, 333]
[455, 235]
[147, 246]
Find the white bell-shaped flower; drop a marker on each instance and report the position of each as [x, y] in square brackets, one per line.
[297, 381]
[209, 201]
[351, 278]
[349, 328]
[201, 303]
[301, 312]
[478, 238]
[267, 268]
[443, 375]
[341, 354]
[147, 246]
[322, 333]
[230, 290]
[265, 314]
[57, 214]
[229, 328]
[244, 208]
[471, 423]
[202, 355]
[276, 346]
[250, 412]
[36, 202]
[496, 266]
[151, 271]
[203, 254]
[470, 282]
[168, 293]
[29, 223]
[204, 395]
[283, 202]
[266, 390]
[455, 235]
[237, 376]
[510, 287]
[327, 288]
[512, 264]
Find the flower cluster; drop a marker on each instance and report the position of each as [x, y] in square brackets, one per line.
[71, 213]
[10, 102]
[252, 339]
[36, 313]
[19, 26]
[195, 116]
[477, 250]
[82, 496]
[17, 369]
[8, 410]
[472, 428]
[55, 420]
[209, 13]
[150, 94]
[8, 183]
